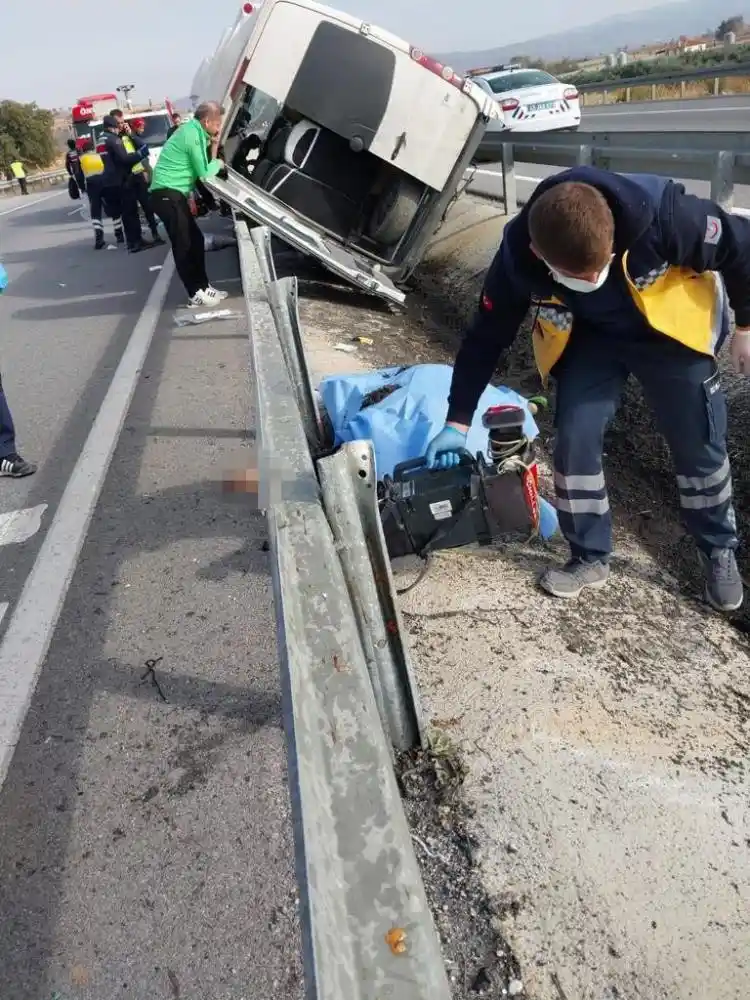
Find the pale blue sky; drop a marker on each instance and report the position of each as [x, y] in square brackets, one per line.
[53, 51]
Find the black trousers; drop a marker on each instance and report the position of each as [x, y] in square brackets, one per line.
[140, 189]
[122, 203]
[23, 185]
[100, 201]
[188, 246]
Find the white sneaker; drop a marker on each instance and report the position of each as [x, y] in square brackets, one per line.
[217, 291]
[206, 297]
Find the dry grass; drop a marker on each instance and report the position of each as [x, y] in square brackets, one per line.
[670, 92]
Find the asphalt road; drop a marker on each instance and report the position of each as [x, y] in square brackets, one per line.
[715, 115]
[145, 838]
[718, 114]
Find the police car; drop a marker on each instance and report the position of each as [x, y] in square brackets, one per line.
[531, 100]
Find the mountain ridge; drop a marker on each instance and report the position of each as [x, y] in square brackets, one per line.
[646, 27]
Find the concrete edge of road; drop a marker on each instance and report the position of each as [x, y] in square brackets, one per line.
[33, 619]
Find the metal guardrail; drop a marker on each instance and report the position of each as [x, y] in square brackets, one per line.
[368, 933]
[721, 158]
[719, 71]
[49, 176]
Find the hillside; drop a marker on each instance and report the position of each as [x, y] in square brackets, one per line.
[662, 23]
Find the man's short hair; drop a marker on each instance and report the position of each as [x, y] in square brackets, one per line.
[208, 108]
[572, 227]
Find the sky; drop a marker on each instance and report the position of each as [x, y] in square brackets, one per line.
[52, 52]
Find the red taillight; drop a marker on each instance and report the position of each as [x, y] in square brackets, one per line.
[509, 104]
[101, 148]
[247, 8]
[571, 94]
[444, 72]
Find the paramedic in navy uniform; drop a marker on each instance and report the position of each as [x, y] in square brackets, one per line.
[624, 274]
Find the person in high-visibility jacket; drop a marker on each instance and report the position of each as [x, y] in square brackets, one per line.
[141, 173]
[92, 168]
[624, 274]
[17, 169]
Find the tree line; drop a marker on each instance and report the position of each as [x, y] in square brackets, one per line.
[26, 134]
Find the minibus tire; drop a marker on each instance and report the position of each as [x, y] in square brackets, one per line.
[395, 211]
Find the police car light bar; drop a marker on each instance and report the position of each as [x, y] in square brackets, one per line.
[484, 70]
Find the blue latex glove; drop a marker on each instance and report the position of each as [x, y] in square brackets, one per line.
[3, 279]
[444, 451]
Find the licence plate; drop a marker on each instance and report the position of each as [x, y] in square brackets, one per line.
[546, 106]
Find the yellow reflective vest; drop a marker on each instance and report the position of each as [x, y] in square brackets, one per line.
[680, 303]
[17, 169]
[91, 164]
[129, 145]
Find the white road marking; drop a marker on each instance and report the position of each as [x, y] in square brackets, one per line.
[3, 608]
[19, 525]
[30, 204]
[32, 624]
[496, 173]
[665, 111]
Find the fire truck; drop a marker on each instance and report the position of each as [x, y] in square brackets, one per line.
[89, 109]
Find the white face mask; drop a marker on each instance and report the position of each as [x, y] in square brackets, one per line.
[579, 284]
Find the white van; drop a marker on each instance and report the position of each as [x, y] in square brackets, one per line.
[345, 140]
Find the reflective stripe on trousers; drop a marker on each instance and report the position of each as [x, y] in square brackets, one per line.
[683, 389]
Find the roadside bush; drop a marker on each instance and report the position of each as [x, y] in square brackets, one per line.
[26, 133]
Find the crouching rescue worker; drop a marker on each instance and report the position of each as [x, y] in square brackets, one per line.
[625, 274]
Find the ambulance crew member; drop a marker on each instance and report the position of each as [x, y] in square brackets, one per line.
[184, 161]
[119, 193]
[624, 274]
[92, 168]
[140, 174]
[11, 463]
[73, 165]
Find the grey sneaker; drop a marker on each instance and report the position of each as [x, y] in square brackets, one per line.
[569, 580]
[723, 586]
[16, 467]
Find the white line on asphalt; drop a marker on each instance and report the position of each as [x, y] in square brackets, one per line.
[30, 204]
[19, 525]
[496, 173]
[663, 111]
[31, 626]
[3, 608]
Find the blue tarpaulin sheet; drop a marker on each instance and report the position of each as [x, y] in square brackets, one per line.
[402, 424]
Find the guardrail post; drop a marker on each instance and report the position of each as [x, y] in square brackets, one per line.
[716, 86]
[510, 194]
[722, 180]
[682, 88]
[627, 95]
[653, 91]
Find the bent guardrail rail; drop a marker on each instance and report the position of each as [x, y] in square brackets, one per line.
[368, 933]
[49, 176]
[722, 158]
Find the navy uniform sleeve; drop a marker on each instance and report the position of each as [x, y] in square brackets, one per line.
[700, 235]
[500, 312]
